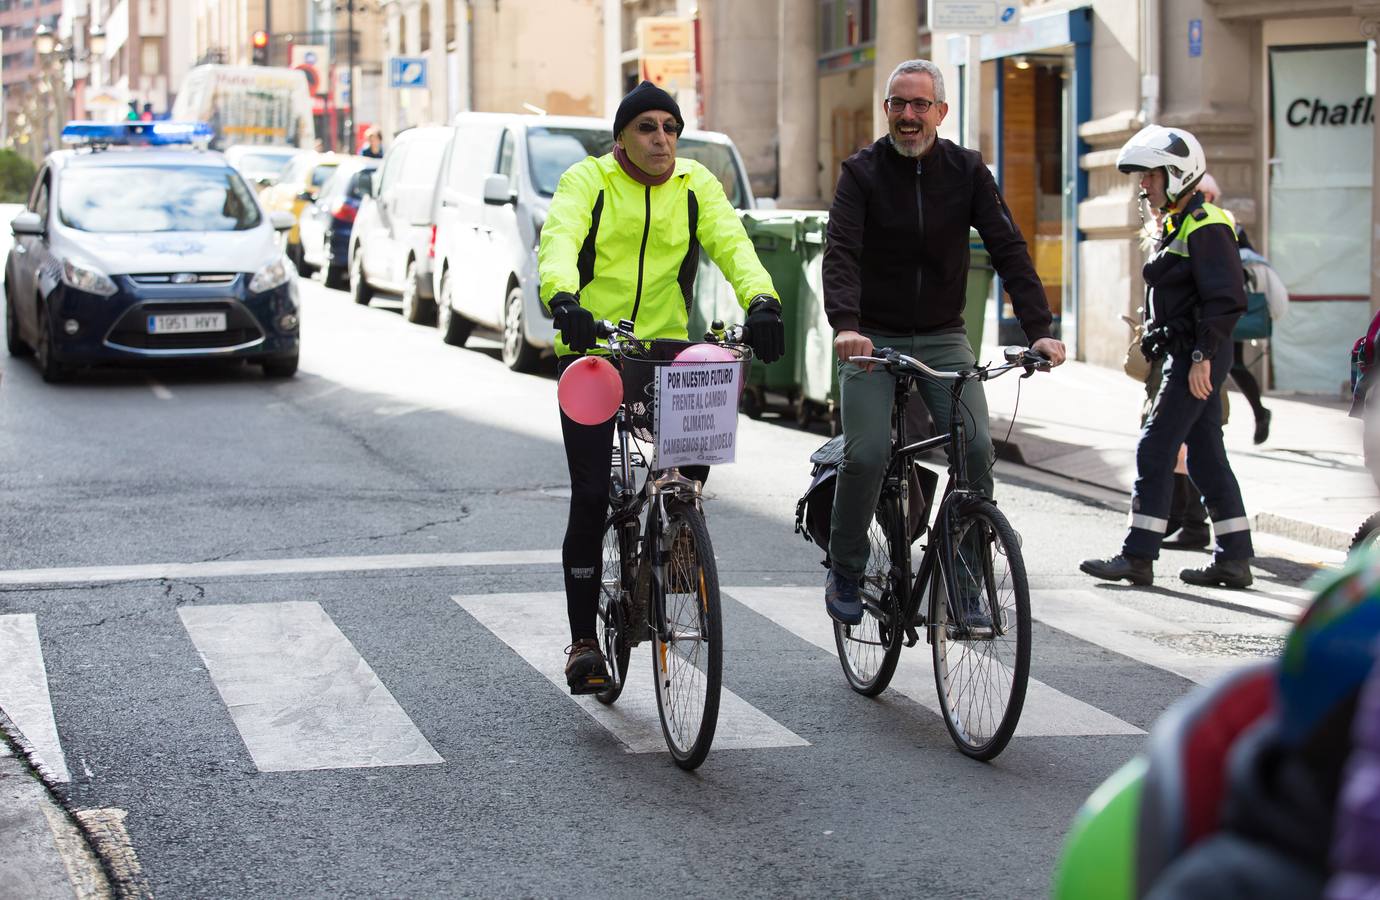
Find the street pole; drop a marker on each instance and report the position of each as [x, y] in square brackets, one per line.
[350, 53]
[268, 28]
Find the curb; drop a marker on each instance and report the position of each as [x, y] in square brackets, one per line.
[88, 866]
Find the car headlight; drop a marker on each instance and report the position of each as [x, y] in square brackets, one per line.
[85, 278]
[275, 274]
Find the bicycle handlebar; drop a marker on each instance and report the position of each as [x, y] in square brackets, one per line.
[1016, 358]
[623, 332]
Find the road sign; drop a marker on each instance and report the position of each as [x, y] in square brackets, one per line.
[407, 72]
[1195, 37]
[973, 16]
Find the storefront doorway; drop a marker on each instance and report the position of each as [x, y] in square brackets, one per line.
[1036, 167]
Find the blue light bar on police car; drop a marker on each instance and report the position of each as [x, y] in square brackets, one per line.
[136, 133]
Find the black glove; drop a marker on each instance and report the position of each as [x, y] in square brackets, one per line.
[763, 329]
[575, 323]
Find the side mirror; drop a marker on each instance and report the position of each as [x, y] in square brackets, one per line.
[27, 223]
[282, 221]
[498, 190]
[364, 183]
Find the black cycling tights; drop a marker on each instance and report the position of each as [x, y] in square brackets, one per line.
[588, 451]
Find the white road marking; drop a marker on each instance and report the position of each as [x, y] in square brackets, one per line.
[1047, 711]
[1102, 621]
[159, 391]
[308, 565]
[535, 626]
[300, 694]
[24, 691]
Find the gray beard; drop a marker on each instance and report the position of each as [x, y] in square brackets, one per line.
[919, 149]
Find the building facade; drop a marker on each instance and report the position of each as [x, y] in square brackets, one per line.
[30, 84]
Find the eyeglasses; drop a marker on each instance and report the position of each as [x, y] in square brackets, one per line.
[899, 104]
[670, 126]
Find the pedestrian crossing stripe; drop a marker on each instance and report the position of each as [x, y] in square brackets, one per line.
[24, 691]
[1047, 711]
[300, 694]
[534, 625]
[1152, 640]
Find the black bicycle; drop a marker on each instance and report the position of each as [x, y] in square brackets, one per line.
[659, 581]
[969, 593]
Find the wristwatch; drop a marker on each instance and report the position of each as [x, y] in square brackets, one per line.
[1198, 356]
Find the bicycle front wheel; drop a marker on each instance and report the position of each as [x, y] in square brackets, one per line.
[612, 628]
[869, 650]
[687, 657]
[981, 637]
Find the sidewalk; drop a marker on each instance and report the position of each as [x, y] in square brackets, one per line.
[43, 854]
[1306, 482]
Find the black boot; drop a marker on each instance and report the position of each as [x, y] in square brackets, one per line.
[1232, 573]
[1131, 568]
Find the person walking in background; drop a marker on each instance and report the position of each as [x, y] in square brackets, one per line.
[373, 144]
[1263, 279]
[1197, 292]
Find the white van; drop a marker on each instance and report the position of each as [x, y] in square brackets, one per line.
[496, 184]
[391, 243]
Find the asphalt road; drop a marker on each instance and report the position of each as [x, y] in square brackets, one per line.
[324, 699]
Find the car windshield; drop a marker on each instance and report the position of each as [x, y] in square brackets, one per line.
[262, 165]
[550, 151]
[321, 173]
[156, 198]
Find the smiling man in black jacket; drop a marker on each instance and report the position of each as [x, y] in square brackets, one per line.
[895, 276]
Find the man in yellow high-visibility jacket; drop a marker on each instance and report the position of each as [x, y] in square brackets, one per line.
[621, 241]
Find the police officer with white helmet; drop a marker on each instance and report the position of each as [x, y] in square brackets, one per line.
[1197, 292]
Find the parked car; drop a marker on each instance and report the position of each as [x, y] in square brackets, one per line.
[326, 224]
[497, 180]
[391, 242]
[261, 164]
[294, 189]
[148, 253]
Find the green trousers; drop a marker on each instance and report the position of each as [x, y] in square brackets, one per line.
[866, 400]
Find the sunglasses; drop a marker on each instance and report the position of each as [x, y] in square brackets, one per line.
[899, 104]
[670, 126]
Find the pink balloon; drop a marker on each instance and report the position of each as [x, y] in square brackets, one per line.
[590, 390]
[703, 353]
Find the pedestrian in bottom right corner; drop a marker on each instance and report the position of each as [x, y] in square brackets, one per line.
[1196, 294]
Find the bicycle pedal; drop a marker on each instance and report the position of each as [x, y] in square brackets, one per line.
[590, 685]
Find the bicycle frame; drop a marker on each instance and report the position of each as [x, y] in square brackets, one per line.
[658, 486]
[896, 482]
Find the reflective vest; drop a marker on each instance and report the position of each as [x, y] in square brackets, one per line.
[631, 251]
[1210, 215]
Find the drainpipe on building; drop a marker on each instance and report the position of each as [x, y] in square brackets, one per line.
[613, 56]
[1149, 62]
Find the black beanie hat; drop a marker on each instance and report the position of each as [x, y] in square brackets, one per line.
[640, 99]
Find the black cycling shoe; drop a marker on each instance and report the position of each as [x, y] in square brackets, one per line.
[1190, 537]
[1231, 573]
[1119, 567]
[585, 670]
[841, 599]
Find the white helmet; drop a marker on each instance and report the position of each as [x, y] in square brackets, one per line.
[1172, 149]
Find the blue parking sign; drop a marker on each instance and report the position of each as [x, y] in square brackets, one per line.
[407, 71]
[1195, 37]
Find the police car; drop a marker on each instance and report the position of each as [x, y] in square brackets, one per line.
[139, 245]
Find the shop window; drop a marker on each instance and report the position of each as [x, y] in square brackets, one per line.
[845, 24]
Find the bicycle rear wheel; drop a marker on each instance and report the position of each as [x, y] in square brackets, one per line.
[611, 626]
[687, 663]
[981, 667]
[869, 650]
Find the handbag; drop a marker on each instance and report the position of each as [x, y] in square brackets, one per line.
[1136, 365]
[1254, 323]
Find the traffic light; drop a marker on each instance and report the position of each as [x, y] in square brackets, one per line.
[260, 44]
